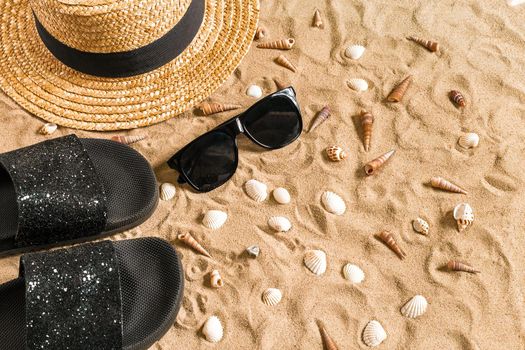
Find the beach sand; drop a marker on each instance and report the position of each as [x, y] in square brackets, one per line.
[482, 55]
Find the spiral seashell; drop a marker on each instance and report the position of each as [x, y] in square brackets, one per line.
[283, 44]
[353, 273]
[254, 91]
[431, 46]
[167, 191]
[253, 251]
[469, 140]
[333, 203]
[372, 166]
[192, 243]
[214, 219]
[283, 61]
[281, 195]
[212, 108]
[515, 2]
[389, 240]
[280, 85]
[415, 307]
[315, 261]
[328, 342]
[318, 21]
[357, 84]
[256, 190]
[464, 216]
[374, 334]
[321, 117]
[272, 296]
[279, 224]
[216, 279]
[128, 139]
[454, 265]
[457, 98]
[261, 32]
[355, 51]
[48, 129]
[367, 120]
[399, 91]
[213, 330]
[336, 153]
[421, 226]
[441, 183]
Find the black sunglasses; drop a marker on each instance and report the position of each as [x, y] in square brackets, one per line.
[211, 159]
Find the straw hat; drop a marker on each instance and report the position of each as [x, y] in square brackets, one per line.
[119, 64]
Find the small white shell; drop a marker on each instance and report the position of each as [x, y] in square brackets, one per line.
[469, 140]
[315, 261]
[374, 333]
[280, 223]
[272, 296]
[281, 195]
[48, 129]
[256, 190]
[464, 215]
[353, 273]
[213, 330]
[216, 279]
[415, 307]
[355, 51]
[214, 219]
[421, 226]
[167, 191]
[253, 251]
[358, 85]
[254, 91]
[515, 2]
[333, 203]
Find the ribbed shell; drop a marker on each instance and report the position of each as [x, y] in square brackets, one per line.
[358, 84]
[399, 91]
[254, 91]
[415, 307]
[374, 334]
[272, 296]
[355, 52]
[335, 153]
[281, 195]
[315, 261]
[128, 139]
[167, 191]
[214, 219]
[464, 216]
[48, 129]
[333, 203]
[213, 330]
[282, 44]
[285, 62]
[353, 273]
[279, 223]
[256, 190]
[421, 226]
[469, 140]
[208, 108]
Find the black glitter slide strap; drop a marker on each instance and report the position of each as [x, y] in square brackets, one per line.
[58, 192]
[73, 298]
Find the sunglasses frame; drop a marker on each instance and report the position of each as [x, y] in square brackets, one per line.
[232, 128]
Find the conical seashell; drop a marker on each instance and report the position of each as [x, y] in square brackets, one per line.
[441, 183]
[283, 61]
[281, 195]
[318, 21]
[167, 191]
[254, 91]
[216, 279]
[431, 46]
[280, 85]
[261, 32]
[253, 251]
[355, 52]
[128, 139]
[321, 117]
[256, 190]
[333, 203]
[454, 265]
[457, 98]
[315, 261]
[372, 166]
[272, 296]
[389, 240]
[415, 307]
[192, 242]
[399, 91]
[469, 140]
[464, 216]
[367, 120]
[358, 84]
[328, 342]
[335, 153]
[214, 219]
[279, 223]
[421, 226]
[283, 44]
[212, 330]
[353, 273]
[48, 129]
[212, 108]
[374, 334]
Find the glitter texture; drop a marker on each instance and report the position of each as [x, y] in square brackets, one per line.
[73, 298]
[59, 194]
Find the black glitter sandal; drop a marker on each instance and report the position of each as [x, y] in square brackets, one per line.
[70, 190]
[105, 295]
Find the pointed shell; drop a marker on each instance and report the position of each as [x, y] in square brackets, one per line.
[469, 140]
[415, 307]
[212, 330]
[355, 51]
[48, 129]
[335, 153]
[353, 273]
[256, 190]
[279, 223]
[214, 219]
[167, 191]
[374, 334]
[128, 139]
[272, 296]
[421, 226]
[281, 195]
[333, 203]
[358, 85]
[315, 261]
[464, 216]
[318, 21]
[254, 91]
[286, 63]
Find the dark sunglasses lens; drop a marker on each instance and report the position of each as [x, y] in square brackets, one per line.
[210, 160]
[274, 123]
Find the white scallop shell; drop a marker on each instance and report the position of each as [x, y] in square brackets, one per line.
[279, 223]
[272, 296]
[374, 333]
[421, 226]
[256, 190]
[48, 129]
[358, 85]
[214, 219]
[167, 191]
[281, 195]
[353, 273]
[333, 203]
[463, 211]
[213, 330]
[315, 261]
[415, 307]
[355, 51]
[469, 140]
[254, 91]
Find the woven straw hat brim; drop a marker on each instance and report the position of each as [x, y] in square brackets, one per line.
[44, 86]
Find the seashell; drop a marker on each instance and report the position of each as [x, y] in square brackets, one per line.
[399, 91]
[318, 21]
[253, 251]
[261, 33]
[256, 190]
[415, 307]
[374, 334]
[128, 139]
[216, 279]
[457, 98]
[254, 91]
[469, 140]
[515, 2]
[355, 51]
[315, 261]
[367, 120]
[167, 191]
[431, 46]
[454, 265]
[283, 44]
[281, 195]
[280, 223]
[192, 242]
[328, 342]
[214, 219]
[283, 61]
[372, 166]
[48, 129]
[421, 226]
[212, 108]
[357, 84]
[464, 216]
[353, 273]
[333, 203]
[441, 183]
[279, 84]
[272, 296]
[321, 117]
[389, 240]
[212, 330]
[335, 153]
